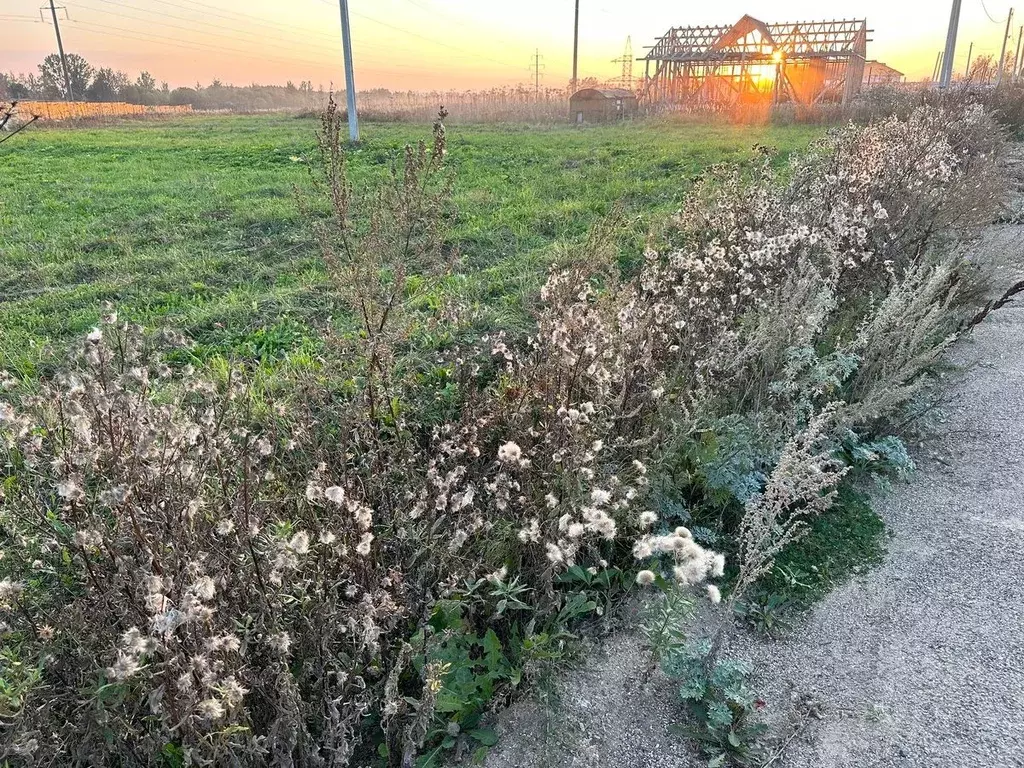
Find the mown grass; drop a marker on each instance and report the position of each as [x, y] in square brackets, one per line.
[194, 222]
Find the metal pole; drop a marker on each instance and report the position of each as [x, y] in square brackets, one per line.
[947, 62]
[1002, 54]
[350, 77]
[938, 66]
[576, 48]
[68, 94]
[970, 53]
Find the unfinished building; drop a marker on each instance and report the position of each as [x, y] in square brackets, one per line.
[751, 62]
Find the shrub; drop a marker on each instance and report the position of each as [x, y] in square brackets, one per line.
[350, 562]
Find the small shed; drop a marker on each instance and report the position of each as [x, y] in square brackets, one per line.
[877, 73]
[602, 105]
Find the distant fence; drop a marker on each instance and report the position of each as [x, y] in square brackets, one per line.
[74, 110]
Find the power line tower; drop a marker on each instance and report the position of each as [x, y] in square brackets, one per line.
[626, 60]
[537, 67]
[68, 93]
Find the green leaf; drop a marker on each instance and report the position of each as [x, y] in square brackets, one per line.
[485, 736]
[719, 715]
[734, 739]
[382, 749]
[491, 644]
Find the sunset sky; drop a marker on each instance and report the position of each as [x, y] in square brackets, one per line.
[419, 44]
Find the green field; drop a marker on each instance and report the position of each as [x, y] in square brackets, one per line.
[194, 222]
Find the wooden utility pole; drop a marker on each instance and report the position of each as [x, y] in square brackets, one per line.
[1002, 53]
[68, 93]
[350, 77]
[1016, 59]
[970, 53]
[576, 48]
[947, 63]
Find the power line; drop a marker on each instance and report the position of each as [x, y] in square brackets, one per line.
[437, 12]
[229, 36]
[985, 8]
[231, 31]
[234, 16]
[409, 32]
[146, 37]
[187, 29]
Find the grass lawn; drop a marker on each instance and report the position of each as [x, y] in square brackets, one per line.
[194, 223]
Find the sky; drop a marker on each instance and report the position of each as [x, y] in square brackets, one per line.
[442, 44]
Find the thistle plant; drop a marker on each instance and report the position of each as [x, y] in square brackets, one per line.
[321, 565]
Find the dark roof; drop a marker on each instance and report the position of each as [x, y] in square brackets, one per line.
[608, 93]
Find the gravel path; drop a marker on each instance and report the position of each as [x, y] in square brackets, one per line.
[918, 664]
[921, 663]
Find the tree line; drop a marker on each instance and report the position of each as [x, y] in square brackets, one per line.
[104, 84]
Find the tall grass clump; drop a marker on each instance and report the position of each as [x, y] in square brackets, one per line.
[353, 560]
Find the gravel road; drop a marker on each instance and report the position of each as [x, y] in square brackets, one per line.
[917, 664]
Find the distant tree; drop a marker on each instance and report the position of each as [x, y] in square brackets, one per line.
[51, 75]
[146, 82]
[179, 97]
[983, 69]
[131, 94]
[104, 86]
[144, 89]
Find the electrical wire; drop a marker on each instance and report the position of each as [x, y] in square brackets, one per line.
[230, 32]
[985, 8]
[404, 31]
[230, 35]
[121, 32]
[435, 12]
[218, 46]
[235, 16]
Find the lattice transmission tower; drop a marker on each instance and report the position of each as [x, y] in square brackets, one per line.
[626, 79]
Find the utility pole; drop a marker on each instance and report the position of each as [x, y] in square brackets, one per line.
[350, 77]
[68, 94]
[1016, 59]
[1002, 54]
[947, 63]
[576, 48]
[938, 66]
[970, 53]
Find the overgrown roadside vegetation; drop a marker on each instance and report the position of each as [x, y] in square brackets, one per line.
[351, 556]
